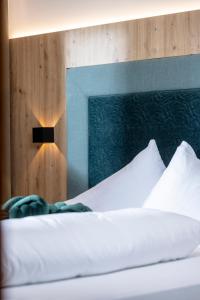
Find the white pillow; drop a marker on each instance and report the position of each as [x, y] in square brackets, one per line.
[178, 190]
[61, 246]
[129, 187]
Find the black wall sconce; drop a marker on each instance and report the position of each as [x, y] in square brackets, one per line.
[43, 135]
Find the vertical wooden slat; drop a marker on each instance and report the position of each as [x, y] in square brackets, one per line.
[5, 185]
[38, 99]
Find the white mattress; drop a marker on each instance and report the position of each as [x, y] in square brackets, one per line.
[173, 280]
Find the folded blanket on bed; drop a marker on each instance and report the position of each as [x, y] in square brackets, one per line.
[62, 207]
[33, 205]
[53, 247]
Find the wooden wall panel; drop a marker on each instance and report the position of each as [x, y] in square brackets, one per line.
[156, 37]
[38, 99]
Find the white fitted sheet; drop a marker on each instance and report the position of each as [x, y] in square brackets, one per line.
[177, 280]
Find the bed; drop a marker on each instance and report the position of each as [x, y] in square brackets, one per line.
[179, 280]
[172, 116]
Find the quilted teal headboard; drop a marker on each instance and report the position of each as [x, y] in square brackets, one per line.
[121, 125]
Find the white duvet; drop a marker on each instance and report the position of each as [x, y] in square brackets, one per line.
[61, 246]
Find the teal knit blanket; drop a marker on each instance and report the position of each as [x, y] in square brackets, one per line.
[34, 205]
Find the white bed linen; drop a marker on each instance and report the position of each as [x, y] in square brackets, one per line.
[179, 187]
[129, 187]
[61, 246]
[177, 280]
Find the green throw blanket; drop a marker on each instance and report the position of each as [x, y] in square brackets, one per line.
[33, 205]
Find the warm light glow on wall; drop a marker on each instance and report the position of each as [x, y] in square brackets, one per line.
[51, 148]
[48, 123]
[49, 160]
[36, 17]
[44, 119]
[51, 151]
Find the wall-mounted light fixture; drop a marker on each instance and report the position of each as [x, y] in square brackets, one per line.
[43, 135]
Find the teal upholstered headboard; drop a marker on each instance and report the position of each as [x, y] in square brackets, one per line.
[121, 125]
[172, 73]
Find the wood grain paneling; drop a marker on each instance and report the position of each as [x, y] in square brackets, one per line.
[38, 99]
[5, 179]
[156, 37]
